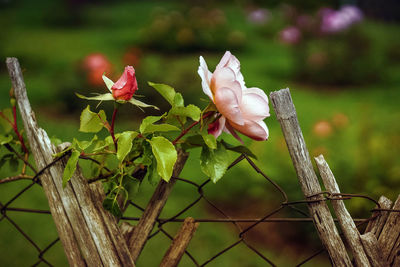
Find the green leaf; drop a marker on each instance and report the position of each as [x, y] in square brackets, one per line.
[178, 100]
[152, 174]
[83, 145]
[5, 139]
[209, 140]
[239, 149]
[125, 144]
[148, 126]
[5, 124]
[109, 83]
[160, 128]
[111, 204]
[141, 104]
[133, 186]
[55, 141]
[59, 154]
[193, 141]
[147, 155]
[71, 166]
[91, 122]
[106, 143]
[165, 90]
[189, 111]
[148, 121]
[165, 154]
[103, 97]
[214, 163]
[210, 107]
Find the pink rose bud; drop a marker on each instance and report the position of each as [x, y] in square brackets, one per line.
[126, 86]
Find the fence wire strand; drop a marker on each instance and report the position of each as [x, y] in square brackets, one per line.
[161, 222]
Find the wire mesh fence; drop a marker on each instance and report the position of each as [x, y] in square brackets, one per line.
[7, 208]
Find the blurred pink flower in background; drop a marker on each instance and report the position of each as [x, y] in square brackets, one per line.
[322, 128]
[340, 120]
[290, 35]
[259, 16]
[96, 65]
[126, 86]
[242, 109]
[333, 21]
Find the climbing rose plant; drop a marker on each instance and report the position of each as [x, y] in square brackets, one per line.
[149, 153]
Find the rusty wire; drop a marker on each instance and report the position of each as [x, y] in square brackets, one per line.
[285, 204]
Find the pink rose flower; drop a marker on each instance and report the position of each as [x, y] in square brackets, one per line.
[242, 109]
[126, 86]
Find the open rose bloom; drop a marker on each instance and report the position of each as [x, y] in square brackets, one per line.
[126, 86]
[242, 109]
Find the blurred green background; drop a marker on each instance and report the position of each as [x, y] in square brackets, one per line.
[343, 73]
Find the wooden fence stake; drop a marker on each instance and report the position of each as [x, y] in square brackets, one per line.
[323, 221]
[389, 240]
[87, 238]
[345, 220]
[175, 252]
[153, 209]
[375, 225]
[371, 246]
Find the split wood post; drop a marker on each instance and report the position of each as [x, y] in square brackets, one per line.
[323, 221]
[345, 220]
[182, 239]
[389, 239]
[87, 232]
[375, 225]
[153, 209]
[372, 249]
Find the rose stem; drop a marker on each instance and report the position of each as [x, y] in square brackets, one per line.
[112, 126]
[208, 114]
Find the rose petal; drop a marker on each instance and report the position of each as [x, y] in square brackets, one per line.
[230, 61]
[225, 77]
[227, 104]
[126, 85]
[259, 92]
[224, 60]
[254, 107]
[205, 76]
[264, 126]
[216, 127]
[255, 130]
[129, 72]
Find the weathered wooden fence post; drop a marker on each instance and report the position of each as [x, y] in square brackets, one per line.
[346, 222]
[319, 211]
[182, 239]
[146, 223]
[89, 234]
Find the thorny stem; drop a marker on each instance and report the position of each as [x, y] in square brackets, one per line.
[15, 127]
[11, 149]
[185, 131]
[112, 127]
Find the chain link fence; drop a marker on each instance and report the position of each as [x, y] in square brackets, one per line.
[8, 209]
